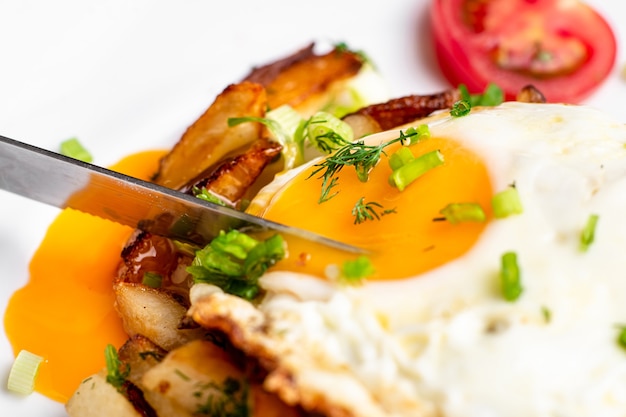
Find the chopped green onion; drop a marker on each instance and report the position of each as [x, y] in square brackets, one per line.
[234, 243]
[423, 132]
[291, 123]
[152, 279]
[24, 373]
[116, 376]
[401, 157]
[291, 150]
[354, 271]
[74, 149]
[588, 234]
[506, 203]
[463, 212]
[547, 314]
[411, 171]
[327, 133]
[510, 279]
[288, 119]
[621, 337]
[235, 261]
[264, 255]
[491, 96]
[206, 195]
[460, 108]
[414, 134]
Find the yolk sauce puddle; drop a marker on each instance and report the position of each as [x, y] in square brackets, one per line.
[65, 312]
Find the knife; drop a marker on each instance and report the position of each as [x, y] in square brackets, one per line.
[64, 182]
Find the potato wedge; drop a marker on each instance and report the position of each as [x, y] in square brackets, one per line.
[307, 81]
[201, 378]
[399, 111]
[209, 139]
[95, 397]
[141, 355]
[233, 179]
[198, 376]
[154, 314]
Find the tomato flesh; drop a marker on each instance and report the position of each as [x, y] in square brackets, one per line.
[562, 47]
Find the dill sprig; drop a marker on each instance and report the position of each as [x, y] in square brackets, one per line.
[371, 210]
[360, 156]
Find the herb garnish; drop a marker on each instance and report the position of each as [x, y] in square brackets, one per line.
[234, 262]
[371, 210]
[117, 372]
[491, 96]
[506, 203]
[360, 156]
[462, 212]
[621, 337]
[510, 278]
[230, 399]
[206, 195]
[74, 149]
[460, 108]
[588, 234]
[355, 271]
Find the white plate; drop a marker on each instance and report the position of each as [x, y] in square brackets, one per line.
[124, 76]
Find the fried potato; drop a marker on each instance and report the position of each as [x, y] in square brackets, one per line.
[399, 111]
[95, 397]
[154, 314]
[209, 138]
[307, 81]
[195, 376]
[141, 355]
[202, 378]
[234, 178]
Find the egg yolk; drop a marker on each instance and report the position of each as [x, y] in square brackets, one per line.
[65, 312]
[403, 243]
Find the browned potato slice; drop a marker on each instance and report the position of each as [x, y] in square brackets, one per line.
[306, 81]
[195, 379]
[140, 354]
[399, 111]
[209, 139]
[95, 397]
[234, 178]
[195, 375]
[154, 314]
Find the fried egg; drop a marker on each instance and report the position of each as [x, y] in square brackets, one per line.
[430, 333]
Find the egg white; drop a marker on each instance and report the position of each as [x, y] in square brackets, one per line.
[446, 343]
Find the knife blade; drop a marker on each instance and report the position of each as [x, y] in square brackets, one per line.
[64, 182]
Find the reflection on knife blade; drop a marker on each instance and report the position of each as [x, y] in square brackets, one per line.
[63, 182]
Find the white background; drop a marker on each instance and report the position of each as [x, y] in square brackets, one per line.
[125, 76]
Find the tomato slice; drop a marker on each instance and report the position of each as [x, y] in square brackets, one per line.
[562, 47]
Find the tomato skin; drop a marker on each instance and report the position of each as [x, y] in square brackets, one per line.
[465, 52]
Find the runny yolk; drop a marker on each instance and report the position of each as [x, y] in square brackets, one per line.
[402, 244]
[65, 313]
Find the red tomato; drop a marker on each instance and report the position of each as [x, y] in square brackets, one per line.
[562, 47]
